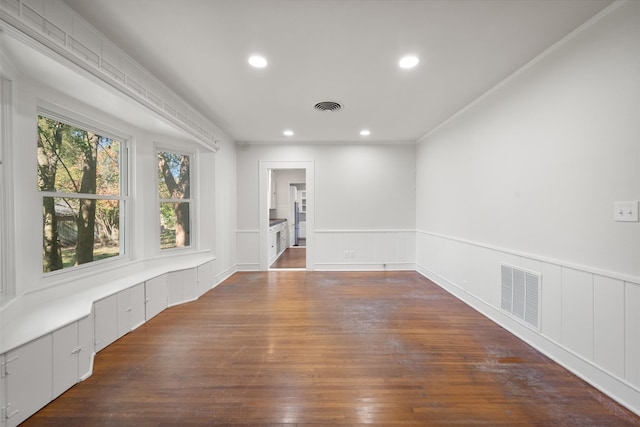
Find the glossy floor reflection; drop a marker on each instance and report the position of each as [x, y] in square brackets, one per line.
[312, 348]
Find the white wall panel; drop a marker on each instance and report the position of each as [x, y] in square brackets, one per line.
[551, 302]
[225, 207]
[425, 251]
[248, 249]
[632, 333]
[349, 249]
[488, 273]
[531, 264]
[608, 322]
[577, 312]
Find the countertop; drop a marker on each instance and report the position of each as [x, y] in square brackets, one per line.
[276, 221]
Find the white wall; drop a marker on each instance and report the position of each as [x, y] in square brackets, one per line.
[364, 198]
[224, 187]
[528, 175]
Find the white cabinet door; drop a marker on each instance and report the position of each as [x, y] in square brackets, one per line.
[273, 246]
[205, 277]
[3, 402]
[182, 286]
[106, 322]
[29, 379]
[284, 239]
[65, 358]
[156, 296]
[72, 354]
[130, 309]
[272, 201]
[124, 308]
[303, 201]
[137, 314]
[87, 351]
[190, 283]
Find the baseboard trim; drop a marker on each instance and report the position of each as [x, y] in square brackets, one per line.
[365, 266]
[249, 266]
[224, 275]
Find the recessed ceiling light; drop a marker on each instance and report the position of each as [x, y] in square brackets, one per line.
[408, 61]
[257, 61]
[288, 132]
[365, 132]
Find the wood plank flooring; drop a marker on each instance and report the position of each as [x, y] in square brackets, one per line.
[312, 348]
[293, 257]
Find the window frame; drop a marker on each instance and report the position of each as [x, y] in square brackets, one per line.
[7, 275]
[79, 121]
[192, 200]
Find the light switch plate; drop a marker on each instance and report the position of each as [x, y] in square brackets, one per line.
[625, 211]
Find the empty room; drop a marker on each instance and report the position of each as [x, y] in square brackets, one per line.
[319, 212]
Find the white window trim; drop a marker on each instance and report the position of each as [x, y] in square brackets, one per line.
[7, 233]
[194, 220]
[61, 114]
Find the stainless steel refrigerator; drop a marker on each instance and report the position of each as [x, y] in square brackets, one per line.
[296, 222]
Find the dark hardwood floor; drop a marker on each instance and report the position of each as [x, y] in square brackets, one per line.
[311, 348]
[293, 257]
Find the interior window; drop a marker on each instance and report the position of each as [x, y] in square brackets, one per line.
[80, 179]
[174, 193]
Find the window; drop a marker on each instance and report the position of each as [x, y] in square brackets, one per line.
[174, 192]
[80, 177]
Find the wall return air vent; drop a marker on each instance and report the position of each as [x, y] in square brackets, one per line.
[521, 294]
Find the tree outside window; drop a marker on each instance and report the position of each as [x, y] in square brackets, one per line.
[79, 176]
[174, 191]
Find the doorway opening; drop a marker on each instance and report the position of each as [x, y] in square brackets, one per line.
[286, 200]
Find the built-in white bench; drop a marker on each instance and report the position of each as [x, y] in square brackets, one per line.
[48, 338]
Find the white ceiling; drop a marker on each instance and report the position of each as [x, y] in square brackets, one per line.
[337, 50]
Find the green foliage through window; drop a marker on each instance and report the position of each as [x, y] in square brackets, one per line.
[79, 175]
[174, 191]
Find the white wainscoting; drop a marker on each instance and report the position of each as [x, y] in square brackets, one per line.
[589, 319]
[365, 250]
[351, 250]
[248, 250]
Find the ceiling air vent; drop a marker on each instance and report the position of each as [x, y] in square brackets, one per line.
[327, 106]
